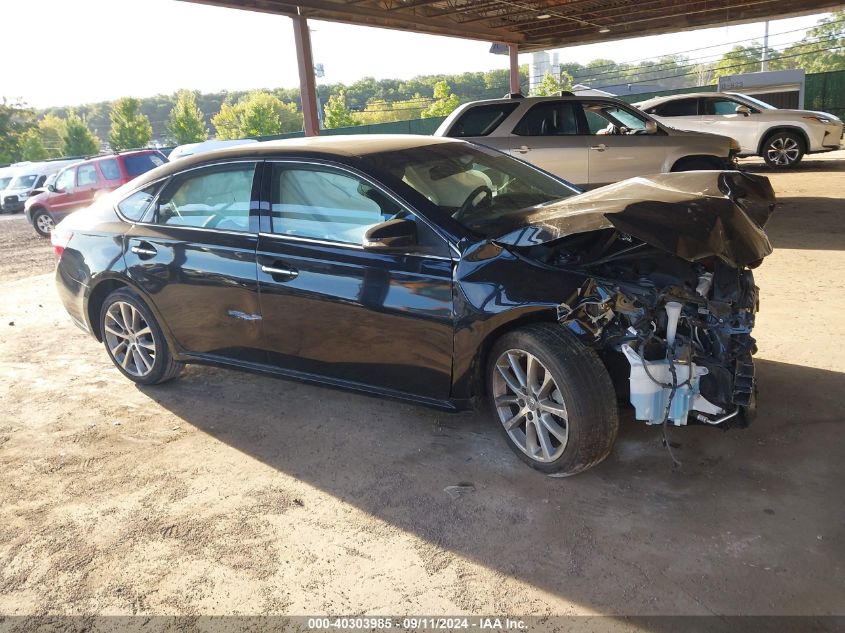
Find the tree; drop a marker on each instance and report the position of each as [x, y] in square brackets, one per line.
[15, 121]
[445, 102]
[821, 50]
[336, 113]
[79, 139]
[53, 131]
[32, 148]
[258, 113]
[741, 59]
[552, 85]
[381, 111]
[129, 127]
[186, 122]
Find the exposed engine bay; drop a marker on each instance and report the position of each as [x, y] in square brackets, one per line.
[668, 298]
[684, 328]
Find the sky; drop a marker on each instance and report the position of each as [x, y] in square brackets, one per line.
[95, 50]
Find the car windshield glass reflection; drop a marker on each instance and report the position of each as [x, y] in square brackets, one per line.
[474, 185]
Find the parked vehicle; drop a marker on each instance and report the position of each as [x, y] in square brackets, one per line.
[435, 271]
[780, 137]
[27, 179]
[190, 149]
[6, 175]
[590, 141]
[78, 185]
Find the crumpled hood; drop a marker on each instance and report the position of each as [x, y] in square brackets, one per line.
[693, 215]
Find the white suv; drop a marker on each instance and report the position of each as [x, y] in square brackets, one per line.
[781, 137]
[589, 141]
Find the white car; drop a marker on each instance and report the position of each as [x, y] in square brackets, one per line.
[781, 137]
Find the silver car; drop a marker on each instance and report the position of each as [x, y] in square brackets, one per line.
[589, 141]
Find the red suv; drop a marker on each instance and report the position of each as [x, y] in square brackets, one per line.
[76, 186]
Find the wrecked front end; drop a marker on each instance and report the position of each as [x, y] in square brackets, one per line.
[668, 298]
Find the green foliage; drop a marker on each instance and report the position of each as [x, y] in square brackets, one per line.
[186, 122]
[552, 85]
[740, 59]
[259, 113]
[53, 131]
[336, 114]
[130, 128]
[445, 102]
[16, 120]
[381, 111]
[79, 140]
[821, 50]
[32, 148]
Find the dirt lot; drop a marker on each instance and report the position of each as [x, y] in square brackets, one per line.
[228, 493]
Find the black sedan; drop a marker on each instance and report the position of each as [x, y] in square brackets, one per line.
[435, 271]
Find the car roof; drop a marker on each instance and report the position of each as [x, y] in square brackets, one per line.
[686, 95]
[541, 99]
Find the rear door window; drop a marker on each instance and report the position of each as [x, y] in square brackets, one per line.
[86, 176]
[110, 169]
[481, 120]
[719, 107]
[216, 197]
[681, 107]
[550, 118]
[137, 164]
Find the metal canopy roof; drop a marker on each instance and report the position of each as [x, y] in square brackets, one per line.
[536, 24]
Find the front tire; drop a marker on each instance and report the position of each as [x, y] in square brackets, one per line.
[552, 398]
[783, 150]
[134, 340]
[43, 223]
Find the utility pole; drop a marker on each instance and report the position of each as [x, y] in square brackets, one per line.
[764, 64]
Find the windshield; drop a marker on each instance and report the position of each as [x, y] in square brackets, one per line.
[757, 102]
[4, 182]
[23, 182]
[478, 187]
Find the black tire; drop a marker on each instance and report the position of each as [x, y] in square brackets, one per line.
[584, 385]
[40, 219]
[163, 367]
[697, 164]
[783, 150]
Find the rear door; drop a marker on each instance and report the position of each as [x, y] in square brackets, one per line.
[193, 253]
[681, 114]
[484, 124]
[332, 308]
[88, 182]
[548, 136]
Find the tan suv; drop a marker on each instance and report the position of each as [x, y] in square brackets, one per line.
[588, 141]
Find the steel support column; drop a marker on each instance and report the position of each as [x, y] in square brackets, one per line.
[307, 84]
[513, 51]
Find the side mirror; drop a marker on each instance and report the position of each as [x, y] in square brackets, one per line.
[52, 188]
[744, 110]
[392, 235]
[651, 127]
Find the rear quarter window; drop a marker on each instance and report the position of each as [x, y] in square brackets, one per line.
[138, 164]
[481, 120]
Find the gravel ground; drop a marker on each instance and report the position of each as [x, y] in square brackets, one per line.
[229, 493]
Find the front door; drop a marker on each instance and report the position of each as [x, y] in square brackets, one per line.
[193, 253]
[333, 309]
[619, 146]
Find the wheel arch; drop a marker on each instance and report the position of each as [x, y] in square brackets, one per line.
[765, 136]
[712, 159]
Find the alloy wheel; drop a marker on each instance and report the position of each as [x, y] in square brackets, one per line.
[530, 406]
[129, 339]
[783, 150]
[44, 223]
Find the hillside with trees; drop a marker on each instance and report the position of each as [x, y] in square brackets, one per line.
[189, 116]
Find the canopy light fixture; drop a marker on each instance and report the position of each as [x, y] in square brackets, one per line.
[604, 29]
[543, 16]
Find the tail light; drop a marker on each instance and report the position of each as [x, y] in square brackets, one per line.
[60, 239]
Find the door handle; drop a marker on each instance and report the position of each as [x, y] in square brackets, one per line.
[523, 149]
[290, 273]
[143, 251]
[599, 148]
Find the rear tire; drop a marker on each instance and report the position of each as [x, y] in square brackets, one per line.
[783, 150]
[42, 222]
[552, 398]
[134, 340]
